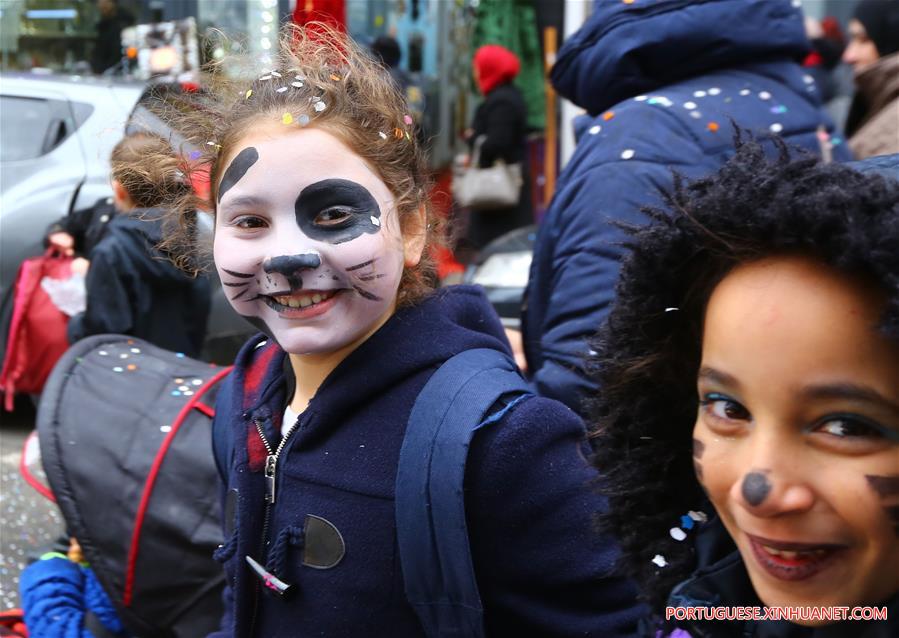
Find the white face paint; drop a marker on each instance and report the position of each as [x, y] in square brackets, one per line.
[307, 239]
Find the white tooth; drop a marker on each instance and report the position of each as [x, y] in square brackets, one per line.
[305, 301]
[294, 303]
[316, 298]
[789, 555]
[771, 550]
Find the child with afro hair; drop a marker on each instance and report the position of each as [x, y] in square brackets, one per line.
[748, 422]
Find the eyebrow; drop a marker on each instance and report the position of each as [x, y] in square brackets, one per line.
[716, 376]
[241, 201]
[850, 391]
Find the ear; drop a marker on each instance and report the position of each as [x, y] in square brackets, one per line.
[415, 232]
[121, 197]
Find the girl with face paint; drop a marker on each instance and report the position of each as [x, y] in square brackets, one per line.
[322, 240]
[748, 427]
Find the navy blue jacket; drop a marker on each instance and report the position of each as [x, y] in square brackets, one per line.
[542, 569]
[662, 82]
[132, 289]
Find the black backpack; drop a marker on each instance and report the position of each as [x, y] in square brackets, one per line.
[125, 440]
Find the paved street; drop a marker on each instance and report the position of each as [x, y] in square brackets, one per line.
[28, 522]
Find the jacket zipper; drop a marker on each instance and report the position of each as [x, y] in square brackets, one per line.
[271, 466]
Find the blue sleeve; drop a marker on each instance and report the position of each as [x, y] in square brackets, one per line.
[542, 568]
[577, 264]
[53, 597]
[580, 244]
[109, 308]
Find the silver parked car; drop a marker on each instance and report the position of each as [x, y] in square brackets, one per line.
[56, 136]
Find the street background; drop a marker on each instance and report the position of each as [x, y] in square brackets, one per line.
[28, 522]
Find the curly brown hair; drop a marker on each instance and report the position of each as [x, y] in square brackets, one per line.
[149, 184]
[319, 79]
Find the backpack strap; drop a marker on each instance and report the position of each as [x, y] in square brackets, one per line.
[430, 503]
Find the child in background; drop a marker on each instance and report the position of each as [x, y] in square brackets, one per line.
[62, 598]
[322, 238]
[133, 288]
[748, 424]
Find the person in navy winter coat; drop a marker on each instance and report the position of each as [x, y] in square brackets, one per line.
[132, 287]
[662, 82]
[323, 231]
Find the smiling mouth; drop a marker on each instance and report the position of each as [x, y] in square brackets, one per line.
[793, 561]
[299, 299]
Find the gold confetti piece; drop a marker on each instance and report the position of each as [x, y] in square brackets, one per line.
[287, 118]
[712, 126]
[608, 115]
[398, 133]
[249, 93]
[335, 77]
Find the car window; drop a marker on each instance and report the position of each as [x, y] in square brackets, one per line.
[32, 127]
[23, 127]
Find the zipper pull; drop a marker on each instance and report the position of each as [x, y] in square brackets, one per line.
[271, 462]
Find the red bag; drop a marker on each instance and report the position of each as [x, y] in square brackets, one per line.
[37, 332]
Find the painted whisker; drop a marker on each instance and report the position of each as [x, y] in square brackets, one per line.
[884, 485]
[362, 265]
[239, 275]
[367, 295]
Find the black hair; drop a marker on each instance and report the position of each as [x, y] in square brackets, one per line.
[388, 50]
[648, 352]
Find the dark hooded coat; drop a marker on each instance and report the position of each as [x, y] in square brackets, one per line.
[662, 83]
[541, 567]
[133, 289]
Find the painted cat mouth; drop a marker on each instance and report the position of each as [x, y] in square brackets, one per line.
[299, 299]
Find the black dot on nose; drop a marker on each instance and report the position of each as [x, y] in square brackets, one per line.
[755, 488]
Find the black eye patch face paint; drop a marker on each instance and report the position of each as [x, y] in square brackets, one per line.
[350, 207]
[887, 488]
[755, 488]
[237, 169]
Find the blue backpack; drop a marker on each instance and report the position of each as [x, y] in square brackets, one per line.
[471, 390]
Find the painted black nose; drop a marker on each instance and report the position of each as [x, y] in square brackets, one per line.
[289, 264]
